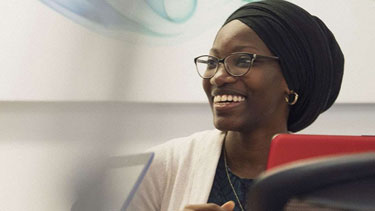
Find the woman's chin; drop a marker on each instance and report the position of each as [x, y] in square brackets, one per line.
[224, 125]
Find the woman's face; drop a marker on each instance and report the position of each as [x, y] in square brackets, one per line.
[263, 88]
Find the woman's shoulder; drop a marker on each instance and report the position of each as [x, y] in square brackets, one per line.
[174, 164]
[187, 150]
[190, 144]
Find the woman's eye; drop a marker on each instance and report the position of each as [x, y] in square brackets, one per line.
[243, 62]
[211, 63]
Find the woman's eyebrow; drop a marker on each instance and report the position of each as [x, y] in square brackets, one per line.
[247, 47]
[244, 48]
[214, 51]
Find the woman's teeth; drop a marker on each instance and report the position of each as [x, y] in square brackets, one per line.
[228, 98]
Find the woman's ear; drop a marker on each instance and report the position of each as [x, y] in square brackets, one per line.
[291, 97]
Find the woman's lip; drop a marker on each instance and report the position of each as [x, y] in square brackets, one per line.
[220, 106]
[216, 92]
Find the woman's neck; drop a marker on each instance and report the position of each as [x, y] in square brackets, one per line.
[247, 153]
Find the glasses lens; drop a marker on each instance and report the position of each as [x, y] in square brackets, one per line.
[239, 64]
[206, 66]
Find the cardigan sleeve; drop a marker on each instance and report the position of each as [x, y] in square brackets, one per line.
[181, 173]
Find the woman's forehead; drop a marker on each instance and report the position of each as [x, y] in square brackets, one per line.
[238, 37]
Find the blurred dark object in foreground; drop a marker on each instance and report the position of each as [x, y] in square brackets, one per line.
[333, 183]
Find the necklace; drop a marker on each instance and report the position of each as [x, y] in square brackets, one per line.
[229, 180]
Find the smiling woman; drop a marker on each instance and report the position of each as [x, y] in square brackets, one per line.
[273, 68]
[261, 83]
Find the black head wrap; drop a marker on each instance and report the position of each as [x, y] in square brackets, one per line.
[310, 58]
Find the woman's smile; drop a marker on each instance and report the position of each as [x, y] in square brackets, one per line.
[226, 99]
[224, 102]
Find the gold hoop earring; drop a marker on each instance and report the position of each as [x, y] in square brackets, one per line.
[292, 98]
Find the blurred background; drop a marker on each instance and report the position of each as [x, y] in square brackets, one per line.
[80, 79]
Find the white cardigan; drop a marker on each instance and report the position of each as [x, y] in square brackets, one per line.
[181, 173]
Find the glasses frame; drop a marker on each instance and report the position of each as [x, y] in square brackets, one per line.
[223, 61]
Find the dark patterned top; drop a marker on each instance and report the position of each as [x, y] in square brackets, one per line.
[222, 192]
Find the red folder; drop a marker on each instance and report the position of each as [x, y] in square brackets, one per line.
[286, 148]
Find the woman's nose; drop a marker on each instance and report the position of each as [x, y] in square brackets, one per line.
[221, 76]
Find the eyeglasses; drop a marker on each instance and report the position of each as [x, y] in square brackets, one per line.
[236, 64]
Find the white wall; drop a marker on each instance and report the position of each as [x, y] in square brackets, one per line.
[137, 125]
[57, 58]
